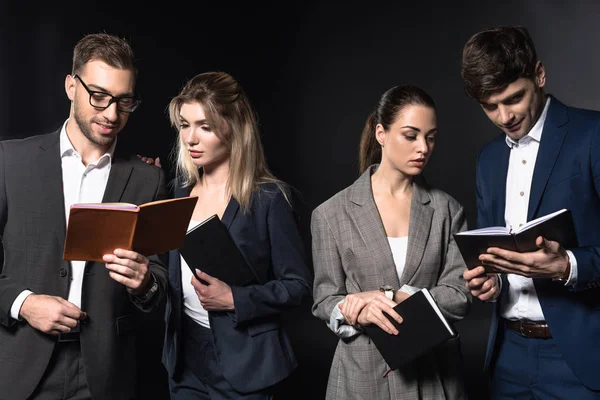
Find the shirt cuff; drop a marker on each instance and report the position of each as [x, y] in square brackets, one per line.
[495, 298]
[337, 324]
[409, 289]
[16, 306]
[572, 280]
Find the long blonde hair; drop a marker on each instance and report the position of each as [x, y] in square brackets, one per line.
[228, 110]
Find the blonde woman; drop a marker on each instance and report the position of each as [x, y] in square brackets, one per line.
[226, 342]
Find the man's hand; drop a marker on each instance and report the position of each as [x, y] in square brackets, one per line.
[550, 261]
[216, 296]
[150, 160]
[481, 285]
[372, 313]
[129, 269]
[51, 314]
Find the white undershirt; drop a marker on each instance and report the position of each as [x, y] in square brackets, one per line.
[191, 304]
[81, 184]
[398, 245]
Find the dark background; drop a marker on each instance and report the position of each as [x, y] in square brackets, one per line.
[313, 71]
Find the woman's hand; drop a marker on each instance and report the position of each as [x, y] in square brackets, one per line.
[216, 296]
[355, 302]
[372, 313]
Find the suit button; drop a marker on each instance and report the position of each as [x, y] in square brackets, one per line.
[62, 272]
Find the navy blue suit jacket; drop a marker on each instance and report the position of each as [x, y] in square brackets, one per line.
[566, 175]
[251, 346]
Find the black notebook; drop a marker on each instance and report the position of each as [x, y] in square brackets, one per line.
[422, 329]
[210, 248]
[557, 226]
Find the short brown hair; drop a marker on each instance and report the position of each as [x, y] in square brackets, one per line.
[111, 49]
[495, 58]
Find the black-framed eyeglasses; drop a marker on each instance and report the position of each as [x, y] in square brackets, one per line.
[102, 100]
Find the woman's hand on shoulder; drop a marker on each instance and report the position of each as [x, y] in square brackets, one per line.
[150, 160]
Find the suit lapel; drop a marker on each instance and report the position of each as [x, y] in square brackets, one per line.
[370, 227]
[498, 184]
[551, 142]
[419, 227]
[50, 175]
[120, 172]
[230, 212]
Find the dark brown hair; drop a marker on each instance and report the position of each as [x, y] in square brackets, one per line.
[105, 47]
[495, 58]
[391, 103]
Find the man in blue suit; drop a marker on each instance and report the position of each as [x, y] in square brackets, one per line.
[544, 337]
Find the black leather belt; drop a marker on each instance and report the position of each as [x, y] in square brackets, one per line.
[72, 336]
[537, 330]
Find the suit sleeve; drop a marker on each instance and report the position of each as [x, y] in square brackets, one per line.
[292, 277]
[157, 267]
[588, 258]
[9, 289]
[329, 286]
[450, 292]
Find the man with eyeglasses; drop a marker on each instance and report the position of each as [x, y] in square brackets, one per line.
[67, 329]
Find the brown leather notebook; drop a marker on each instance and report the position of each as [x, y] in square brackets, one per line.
[96, 229]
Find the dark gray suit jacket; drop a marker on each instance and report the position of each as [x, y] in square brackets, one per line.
[32, 225]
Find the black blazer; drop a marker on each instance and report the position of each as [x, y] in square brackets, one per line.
[251, 347]
[32, 225]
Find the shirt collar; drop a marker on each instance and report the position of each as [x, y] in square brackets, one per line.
[67, 149]
[535, 133]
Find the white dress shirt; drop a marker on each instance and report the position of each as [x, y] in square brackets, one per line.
[191, 304]
[522, 302]
[81, 184]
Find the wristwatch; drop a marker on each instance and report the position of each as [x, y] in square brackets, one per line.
[565, 276]
[388, 291]
[153, 289]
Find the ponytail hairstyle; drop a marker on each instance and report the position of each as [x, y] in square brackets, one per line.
[390, 105]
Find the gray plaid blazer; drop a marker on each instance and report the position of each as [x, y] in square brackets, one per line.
[351, 254]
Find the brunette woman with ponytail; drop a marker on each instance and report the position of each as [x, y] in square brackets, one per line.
[380, 240]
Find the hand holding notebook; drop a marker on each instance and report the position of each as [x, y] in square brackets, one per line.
[557, 226]
[423, 328]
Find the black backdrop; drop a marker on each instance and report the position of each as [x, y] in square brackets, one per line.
[313, 71]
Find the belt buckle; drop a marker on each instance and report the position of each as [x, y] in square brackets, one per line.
[521, 329]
